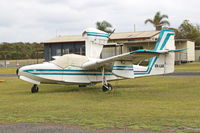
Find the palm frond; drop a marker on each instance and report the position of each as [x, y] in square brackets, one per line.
[157, 20]
[165, 22]
[148, 21]
[164, 16]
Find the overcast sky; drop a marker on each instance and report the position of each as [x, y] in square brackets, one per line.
[40, 20]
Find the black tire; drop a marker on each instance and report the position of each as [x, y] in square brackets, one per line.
[107, 87]
[37, 89]
[104, 88]
[110, 87]
[34, 89]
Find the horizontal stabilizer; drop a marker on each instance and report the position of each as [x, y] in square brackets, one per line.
[145, 51]
[178, 50]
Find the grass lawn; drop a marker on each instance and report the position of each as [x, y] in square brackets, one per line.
[189, 67]
[155, 103]
[8, 70]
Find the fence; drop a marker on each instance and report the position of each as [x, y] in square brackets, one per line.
[17, 63]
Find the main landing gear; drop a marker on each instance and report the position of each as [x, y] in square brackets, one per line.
[106, 86]
[34, 89]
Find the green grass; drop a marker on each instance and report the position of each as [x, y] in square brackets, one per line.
[154, 103]
[189, 67]
[8, 70]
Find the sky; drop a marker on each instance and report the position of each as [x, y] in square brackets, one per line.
[41, 20]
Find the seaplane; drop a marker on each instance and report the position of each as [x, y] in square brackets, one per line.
[73, 69]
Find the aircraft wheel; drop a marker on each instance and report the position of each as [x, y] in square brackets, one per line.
[34, 89]
[107, 87]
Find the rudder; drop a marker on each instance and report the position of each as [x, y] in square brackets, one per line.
[164, 63]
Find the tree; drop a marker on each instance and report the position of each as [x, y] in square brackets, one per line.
[189, 31]
[20, 50]
[158, 21]
[104, 26]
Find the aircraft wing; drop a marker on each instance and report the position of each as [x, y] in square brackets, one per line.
[135, 57]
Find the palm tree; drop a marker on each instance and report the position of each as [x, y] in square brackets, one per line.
[104, 26]
[158, 21]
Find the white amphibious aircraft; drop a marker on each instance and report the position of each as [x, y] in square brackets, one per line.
[90, 69]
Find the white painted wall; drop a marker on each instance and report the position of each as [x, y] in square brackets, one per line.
[190, 51]
[197, 55]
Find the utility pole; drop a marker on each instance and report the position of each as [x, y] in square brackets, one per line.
[37, 52]
[134, 28]
[5, 61]
[17, 63]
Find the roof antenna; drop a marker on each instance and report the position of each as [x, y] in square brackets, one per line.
[134, 28]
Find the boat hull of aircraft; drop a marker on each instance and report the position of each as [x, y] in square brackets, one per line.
[39, 74]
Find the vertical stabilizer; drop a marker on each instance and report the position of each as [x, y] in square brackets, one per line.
[94, 42]
[163, 63]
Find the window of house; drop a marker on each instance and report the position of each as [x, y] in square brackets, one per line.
[58, 52]
[49, 52]
[65, 51]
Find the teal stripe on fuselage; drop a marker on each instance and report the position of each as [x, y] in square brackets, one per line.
[123, 69]
[64, 72]
[148, 69]
[89, 74]
[61, 70]
[122, 66]
[151, 63]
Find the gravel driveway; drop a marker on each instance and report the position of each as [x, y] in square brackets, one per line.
[48, 128]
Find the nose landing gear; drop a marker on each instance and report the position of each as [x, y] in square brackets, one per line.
[34, 89]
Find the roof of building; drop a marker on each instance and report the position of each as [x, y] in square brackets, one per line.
[134, 35]
[75, 38]
[114, 36]
[153, 41]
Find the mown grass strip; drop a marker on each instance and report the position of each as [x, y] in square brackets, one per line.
[150, 102]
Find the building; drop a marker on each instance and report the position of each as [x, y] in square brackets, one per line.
[118, 43]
